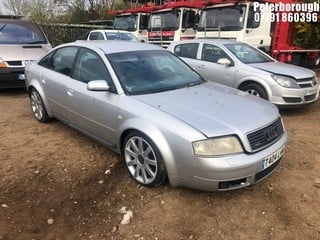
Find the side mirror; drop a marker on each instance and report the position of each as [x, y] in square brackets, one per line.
[224, 61]
[98, 85]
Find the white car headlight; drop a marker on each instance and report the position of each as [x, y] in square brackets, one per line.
[217, 146]
[285, 81]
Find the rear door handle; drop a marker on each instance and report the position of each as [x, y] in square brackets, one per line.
[202, 67]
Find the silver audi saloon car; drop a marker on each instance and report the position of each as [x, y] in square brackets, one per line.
[244, 67]
[164, 120]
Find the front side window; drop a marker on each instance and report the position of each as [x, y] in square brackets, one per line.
[143, 72]
[187, 50]
[21, 33]
[212, 53]
[89, 66]
[247, 54]
[254, 18]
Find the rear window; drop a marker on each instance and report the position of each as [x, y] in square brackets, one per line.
[20, 32]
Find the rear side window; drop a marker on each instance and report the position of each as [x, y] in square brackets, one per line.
[187, 50]
[60, 61]
[96, 36]
[16, 32]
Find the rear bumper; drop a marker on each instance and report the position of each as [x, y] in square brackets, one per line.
[12, 78]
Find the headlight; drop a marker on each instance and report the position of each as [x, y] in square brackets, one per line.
[285, 81]
[2, 63]
[217, 146]
[315, 80]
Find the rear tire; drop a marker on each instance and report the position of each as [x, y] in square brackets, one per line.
[143, 160]
[255, 89]
[38, 108]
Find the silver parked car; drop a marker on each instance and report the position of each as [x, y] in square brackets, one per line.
[244, 67]
[159, 114]
[20, 42]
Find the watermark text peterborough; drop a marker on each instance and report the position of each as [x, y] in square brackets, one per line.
[286, 12]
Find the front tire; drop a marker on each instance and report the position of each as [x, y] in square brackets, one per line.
[38, 108]
[143, 160]
[255, 89]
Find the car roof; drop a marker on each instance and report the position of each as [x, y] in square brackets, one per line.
[212, 41]
[110, 31]
[114, 46]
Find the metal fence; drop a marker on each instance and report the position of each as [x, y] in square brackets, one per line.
[63, 33]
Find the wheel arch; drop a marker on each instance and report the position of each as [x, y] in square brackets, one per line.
[155, 135]
[36, 85]
[246, 82]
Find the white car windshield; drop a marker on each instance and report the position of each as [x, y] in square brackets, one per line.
[142, 72]
[247, 54]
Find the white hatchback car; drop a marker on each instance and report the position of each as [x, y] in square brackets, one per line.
[244, 67]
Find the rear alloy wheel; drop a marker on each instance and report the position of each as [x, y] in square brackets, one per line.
[38, 108]
[256, 90]
[143, 160]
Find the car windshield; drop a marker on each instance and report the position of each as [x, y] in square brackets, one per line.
[229, 18]
[164, 21]
[143, 72]
[121, 36]
[20, 33]
[247, 54]
[127, 23]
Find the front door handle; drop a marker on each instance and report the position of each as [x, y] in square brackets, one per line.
[70, 92]
[202, 67]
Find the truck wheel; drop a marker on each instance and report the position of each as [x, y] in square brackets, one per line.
[255, 89]
[38, 108]
[143, 160]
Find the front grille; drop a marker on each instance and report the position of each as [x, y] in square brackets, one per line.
[265, 172]
[14, 63]
[306, 82]
[266, 136]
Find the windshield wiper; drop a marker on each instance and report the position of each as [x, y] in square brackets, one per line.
[4, 25]
[36, 42]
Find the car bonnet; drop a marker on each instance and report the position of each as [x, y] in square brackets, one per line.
[285, 69]
[213, 109]
[22, 52]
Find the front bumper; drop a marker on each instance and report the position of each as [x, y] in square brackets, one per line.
[232, 172]
[286, 97]
[12, 78]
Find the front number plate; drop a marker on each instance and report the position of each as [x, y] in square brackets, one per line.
[268, 161]
[21, 77]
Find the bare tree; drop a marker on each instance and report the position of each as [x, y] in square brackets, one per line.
[15, 7]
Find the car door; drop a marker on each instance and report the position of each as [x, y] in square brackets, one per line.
[92, 112]
[209, 68]
[54, 78]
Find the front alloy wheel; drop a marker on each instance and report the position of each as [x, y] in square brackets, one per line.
[143, 160]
